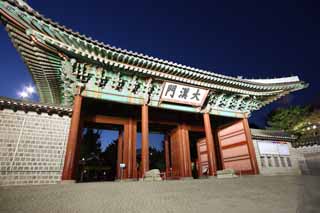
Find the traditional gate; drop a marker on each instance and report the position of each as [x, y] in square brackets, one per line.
[236, 148]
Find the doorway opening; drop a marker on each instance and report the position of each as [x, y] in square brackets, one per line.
[156, 151]
[98, 154]
[157, 157]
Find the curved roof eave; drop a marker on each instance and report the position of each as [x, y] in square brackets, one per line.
[263, 86]
[25, 7]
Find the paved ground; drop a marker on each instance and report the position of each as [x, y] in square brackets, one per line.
[246, 194]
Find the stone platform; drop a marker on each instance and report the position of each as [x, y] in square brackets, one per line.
[248, 194]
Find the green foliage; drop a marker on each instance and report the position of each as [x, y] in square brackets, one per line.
[287, 118]
[156, 159]
[90, 143]
[109, 157]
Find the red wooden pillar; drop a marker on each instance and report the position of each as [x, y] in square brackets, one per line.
[185, 146]
[129, 149]
[126, 151]
[166, 155]
[210, 146]
[145, 140]
[252, 153]
[119, 153]
[134, 148]
[175, 155]
[69, 161]
[180, 152]
[77, 154]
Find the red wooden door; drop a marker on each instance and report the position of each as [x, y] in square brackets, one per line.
[236, 148]
[202, 157]
[175, 155]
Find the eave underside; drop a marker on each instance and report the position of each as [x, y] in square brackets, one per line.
[43, 65]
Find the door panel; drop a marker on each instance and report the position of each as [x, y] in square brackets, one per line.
[202, 157]
[235, 150]
[175, 155]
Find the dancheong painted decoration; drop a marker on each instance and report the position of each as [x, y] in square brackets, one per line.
[59, 59]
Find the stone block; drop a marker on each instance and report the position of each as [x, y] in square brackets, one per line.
[226, 173]
[152, 175]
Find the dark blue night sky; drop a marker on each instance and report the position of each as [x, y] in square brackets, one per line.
[253, 39]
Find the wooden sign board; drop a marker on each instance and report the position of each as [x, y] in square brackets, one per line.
[183, 94]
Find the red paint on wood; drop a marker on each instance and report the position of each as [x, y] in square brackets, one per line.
[134, 148]
[186, 151]
[180, 152]
[166, 155]
[251, 147]
[236, 148]
[120, 153]
[202, 162]
[145, 139]
[210, 145]
[126, 152]
[69, 162]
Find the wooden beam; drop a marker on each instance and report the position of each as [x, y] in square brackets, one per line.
[106, 119]
[194, 128]
[171, 123]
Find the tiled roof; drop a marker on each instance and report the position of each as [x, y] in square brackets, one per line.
[25, 105]
[272, 134]
[45, 64]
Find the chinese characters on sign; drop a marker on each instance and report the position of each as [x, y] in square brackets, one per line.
[183, 94]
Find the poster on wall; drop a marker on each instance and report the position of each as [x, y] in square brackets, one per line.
[283, 149]
[267, 148]
[273, 148]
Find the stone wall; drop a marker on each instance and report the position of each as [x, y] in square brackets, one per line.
[278, 165]
[310, 163]
[32, 147]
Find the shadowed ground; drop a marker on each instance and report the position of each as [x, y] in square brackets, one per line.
[246, 194]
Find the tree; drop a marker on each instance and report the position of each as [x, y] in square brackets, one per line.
[254, 125]
[156, 158]
[91, 143]
[287, 119]
[109, 157]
